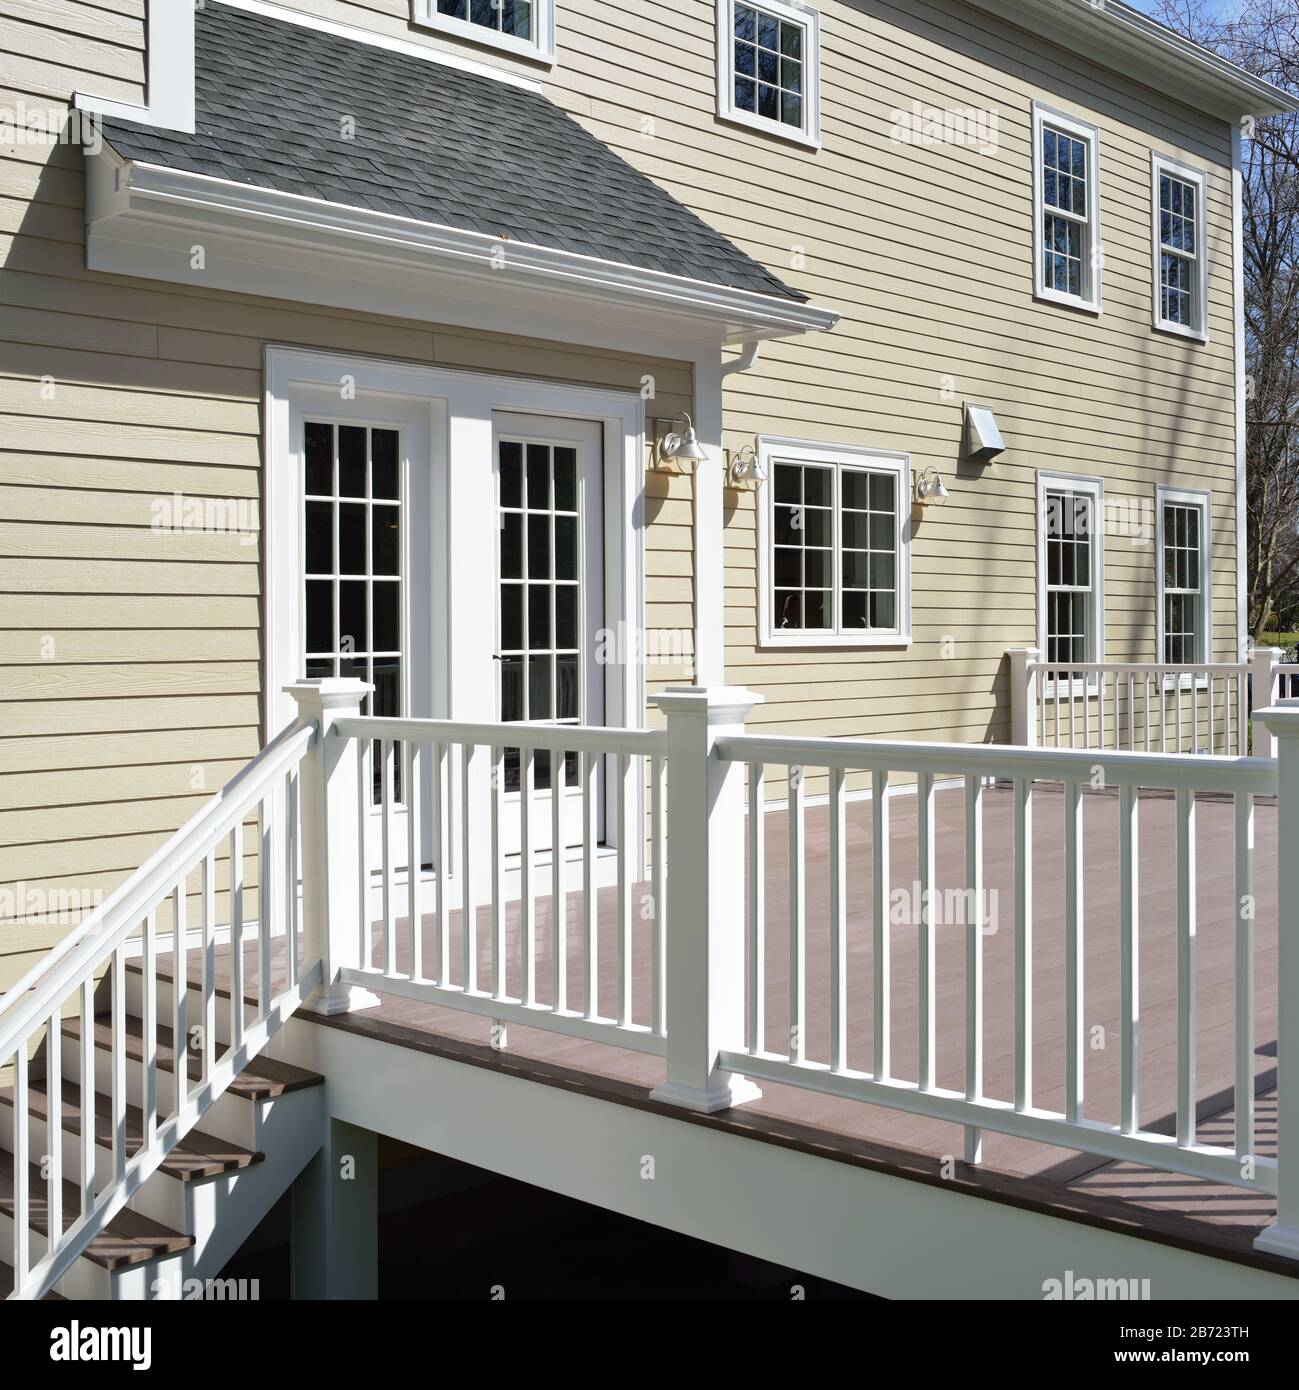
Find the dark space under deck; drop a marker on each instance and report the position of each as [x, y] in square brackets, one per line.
[1183, 1211]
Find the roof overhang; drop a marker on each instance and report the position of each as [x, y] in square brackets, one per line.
[1123, 39]
[148, 221]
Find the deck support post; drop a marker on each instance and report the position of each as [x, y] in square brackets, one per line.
[332, 824]
[1282, 722]
[1263, 662]
[335, 1218]
[705, 907]
[1023, 696]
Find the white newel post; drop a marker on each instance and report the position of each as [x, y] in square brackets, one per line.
[1023, 696]
[706, 875]
[1263, 662]
[1283, 1238]
[331, 829]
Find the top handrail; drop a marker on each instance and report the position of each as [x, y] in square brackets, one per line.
[554, 738]
[1185, 668]
[96, 935]
[1203, 772]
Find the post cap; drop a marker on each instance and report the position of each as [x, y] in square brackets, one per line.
[330, 692]
[718, 702]
[1281, 718]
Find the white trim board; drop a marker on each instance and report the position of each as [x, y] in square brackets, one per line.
[1048, 479]
[1186, 497]
[1187, 173]
[1090, 300]
[539, 49]
[145, 220]
[169, 73]
[792, 12]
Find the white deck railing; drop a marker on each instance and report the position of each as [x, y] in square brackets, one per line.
[77, 994]
[1143, 707]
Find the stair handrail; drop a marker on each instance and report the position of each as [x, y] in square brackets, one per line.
[62, 969]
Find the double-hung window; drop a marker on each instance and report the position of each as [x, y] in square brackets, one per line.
[1180, 282]
[1070, 566]
[1182, 543]
[768, 56]
[835, 545]
[525, 27]
[1066, 217]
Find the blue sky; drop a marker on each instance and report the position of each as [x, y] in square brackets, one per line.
[1216, 7]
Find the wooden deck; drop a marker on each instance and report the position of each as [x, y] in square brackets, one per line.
[1163, 1207]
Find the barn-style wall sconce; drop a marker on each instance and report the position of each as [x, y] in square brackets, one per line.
[677, 449]
[744, 469]
[930, 490]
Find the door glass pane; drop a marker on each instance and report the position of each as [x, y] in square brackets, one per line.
[540, 635]
[353, 586]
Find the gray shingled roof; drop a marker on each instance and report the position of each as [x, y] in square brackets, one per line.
[431, 142]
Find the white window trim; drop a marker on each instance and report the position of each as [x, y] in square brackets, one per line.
[795, 13]
[1199, 331]
[772, 450]
[1186, 497]
[1095, 488]
[541, 49]
[1090, 301]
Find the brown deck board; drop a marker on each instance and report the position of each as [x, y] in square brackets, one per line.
[1161, 1206]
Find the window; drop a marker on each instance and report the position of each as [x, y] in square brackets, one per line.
[352, 580]
[1066, 230]
[526, 27]
[1070, 567]
[1180, 282]
[835, 546]
[1182, 543]
[767, 67]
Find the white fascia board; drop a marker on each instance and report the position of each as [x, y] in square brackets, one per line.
[169, 90]
[1122, 39]
[146, 220]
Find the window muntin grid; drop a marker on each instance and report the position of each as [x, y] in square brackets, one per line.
[353, 586]
[1183, 584]
[1065, 212]
[1179, 250]
[834, 549]
[1070, 576]
[768, 58]
[540, 646]
[510, 17]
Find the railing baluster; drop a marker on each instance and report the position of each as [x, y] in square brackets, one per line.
[838, 925]
[237, 935]
[623, 803]
[149, 1025]
[117, 1035]
[590, 905]
[797, 917]
[468, 874]
[498, 869]
[265, 899]
[1023, 943]
[659, 888]
[1186, 1119]
[926, 942]
[1132, 717]
[441, 772]
[54, 1123]
[365, 775]
[1145, 702]
[22, 1172]
[1244, 1096]
[387, 853]
[757, 909]
[86, 1067]
[413, 774]
[559, 885]
[881, 943]
[973, 957]
[209, 965]
[1129, 948]
[1073, 892]
[528, 875]
[290, 867]
[180, 992]
[1195, 713]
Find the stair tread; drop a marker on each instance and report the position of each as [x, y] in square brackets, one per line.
[130, 1238]
[264, 1078]
[7, 1285]
[198, 1155]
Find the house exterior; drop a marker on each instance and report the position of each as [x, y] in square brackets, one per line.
[523, 361]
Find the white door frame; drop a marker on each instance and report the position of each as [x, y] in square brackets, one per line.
[461, 405]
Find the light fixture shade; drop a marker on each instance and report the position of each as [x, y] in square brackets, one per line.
[687, 447]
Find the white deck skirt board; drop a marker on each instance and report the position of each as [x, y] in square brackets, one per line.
[891, 1236]
[145, 220]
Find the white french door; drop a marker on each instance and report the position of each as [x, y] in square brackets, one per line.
[550, 601]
